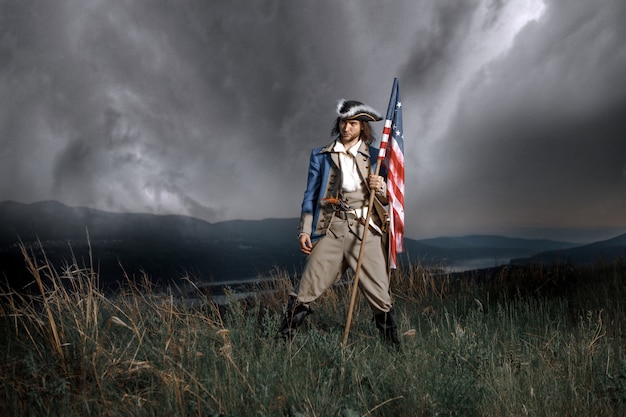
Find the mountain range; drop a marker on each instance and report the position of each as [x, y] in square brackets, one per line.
[167, 247]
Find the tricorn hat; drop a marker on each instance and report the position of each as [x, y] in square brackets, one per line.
[355, 110]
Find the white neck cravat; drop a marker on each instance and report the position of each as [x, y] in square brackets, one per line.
[351, 180]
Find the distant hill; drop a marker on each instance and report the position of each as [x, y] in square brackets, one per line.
[487, 250]
[594, 253]
[167, 247]
[162, 246]
[493, 241]
[50, 220]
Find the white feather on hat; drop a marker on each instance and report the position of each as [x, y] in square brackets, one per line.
[355, 110]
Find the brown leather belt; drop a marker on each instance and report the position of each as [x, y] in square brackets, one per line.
[345, 215]
[348, 215]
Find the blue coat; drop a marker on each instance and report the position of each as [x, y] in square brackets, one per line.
[324, 181]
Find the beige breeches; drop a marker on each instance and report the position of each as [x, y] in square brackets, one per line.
[339, 250]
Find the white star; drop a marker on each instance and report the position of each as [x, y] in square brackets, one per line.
[399, 104]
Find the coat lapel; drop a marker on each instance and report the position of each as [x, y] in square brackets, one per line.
[334, 156]
[363, 162]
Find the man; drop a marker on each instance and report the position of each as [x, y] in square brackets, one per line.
[334, 209]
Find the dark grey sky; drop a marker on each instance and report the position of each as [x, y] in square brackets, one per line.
[513, 110]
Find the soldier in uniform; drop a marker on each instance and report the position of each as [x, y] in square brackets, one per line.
[334, 209]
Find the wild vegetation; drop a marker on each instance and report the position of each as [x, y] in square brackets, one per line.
[538, 341]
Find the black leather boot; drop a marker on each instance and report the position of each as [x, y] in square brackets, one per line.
[386, 324]
[296, 313]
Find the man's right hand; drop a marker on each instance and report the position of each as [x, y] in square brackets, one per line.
[305, 243]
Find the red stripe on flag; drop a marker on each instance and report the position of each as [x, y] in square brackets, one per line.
[384, 140]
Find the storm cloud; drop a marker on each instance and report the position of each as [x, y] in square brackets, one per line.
[513, 111]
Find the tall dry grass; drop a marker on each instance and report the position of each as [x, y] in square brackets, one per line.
[544, 340]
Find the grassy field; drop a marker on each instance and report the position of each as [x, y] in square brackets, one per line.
[536, 341]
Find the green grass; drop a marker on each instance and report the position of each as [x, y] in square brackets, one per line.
[537, 341]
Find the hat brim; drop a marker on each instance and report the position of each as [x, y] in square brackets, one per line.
[364, 117]
[355, 110]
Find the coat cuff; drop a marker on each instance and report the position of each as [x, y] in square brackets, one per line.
[306, 223]
[382, 194]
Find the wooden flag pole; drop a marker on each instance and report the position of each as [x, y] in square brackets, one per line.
[357, 272]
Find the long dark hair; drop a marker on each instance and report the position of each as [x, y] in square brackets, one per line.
[367, 134]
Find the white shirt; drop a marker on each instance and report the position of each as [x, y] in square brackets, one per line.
[351, 180]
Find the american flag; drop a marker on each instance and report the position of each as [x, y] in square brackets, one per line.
[392, 156]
